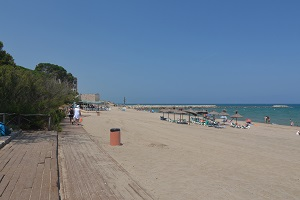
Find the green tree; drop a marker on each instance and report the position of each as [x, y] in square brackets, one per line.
[5, 58]
[25, 91]
[57, 72]
[40, 91]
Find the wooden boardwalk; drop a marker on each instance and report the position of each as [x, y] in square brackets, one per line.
[88, 172]
[28, 167]
[67, 165]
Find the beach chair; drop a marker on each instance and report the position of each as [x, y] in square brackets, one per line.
[162, 118]
[219, 126]
[246, 127]
[233, 125]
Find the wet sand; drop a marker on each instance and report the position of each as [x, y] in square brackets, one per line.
[176, 161]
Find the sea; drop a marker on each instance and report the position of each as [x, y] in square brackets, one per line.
[278, 114]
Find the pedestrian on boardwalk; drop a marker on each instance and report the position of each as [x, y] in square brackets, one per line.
[77, 114]
[71, 115]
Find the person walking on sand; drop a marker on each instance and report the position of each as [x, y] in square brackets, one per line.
[77, 114]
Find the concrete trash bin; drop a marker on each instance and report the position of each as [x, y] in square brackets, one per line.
[98, 113]
[115, 137]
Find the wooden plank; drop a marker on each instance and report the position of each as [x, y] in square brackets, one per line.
[45, 190]
[29, 166]
[6, 158]
[88, 176]
[42, 155]
[54, 195]
[25, 194]
[12, 183]
[99, 182]
[9, 170]
[73, 174]
[36, 189]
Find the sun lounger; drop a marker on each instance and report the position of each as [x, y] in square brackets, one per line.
[182, 122]
[246, 127]
[162, 118]
[218, 126]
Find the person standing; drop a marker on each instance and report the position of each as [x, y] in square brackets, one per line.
[71, 115]
[77, 114]
[266, 119]
[269, 119]
[291, 122]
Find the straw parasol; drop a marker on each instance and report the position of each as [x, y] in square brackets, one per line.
[163, 111]
[178, 112]
[202, 112]
[224, 113]
[213, 114]
[236, 115]
[168, 111]
[190, 112]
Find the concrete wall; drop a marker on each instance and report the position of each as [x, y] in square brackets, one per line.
[90, 97]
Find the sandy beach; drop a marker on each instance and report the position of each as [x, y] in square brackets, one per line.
[175, 161]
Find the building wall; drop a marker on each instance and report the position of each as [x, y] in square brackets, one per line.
[90, 97]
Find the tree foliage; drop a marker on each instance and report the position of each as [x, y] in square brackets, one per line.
[25, 91]
[57, 72]
[5, 58]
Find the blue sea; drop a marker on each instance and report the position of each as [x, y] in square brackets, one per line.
[257, 112]
[278, 115]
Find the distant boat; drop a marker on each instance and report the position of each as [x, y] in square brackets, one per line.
[280, 106]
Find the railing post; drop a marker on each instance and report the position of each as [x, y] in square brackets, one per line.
[19, 120]
[49, 123]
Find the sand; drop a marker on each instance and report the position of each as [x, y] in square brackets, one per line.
[175, 161]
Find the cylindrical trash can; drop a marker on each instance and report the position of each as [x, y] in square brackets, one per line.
[98, 113]
[115, 137]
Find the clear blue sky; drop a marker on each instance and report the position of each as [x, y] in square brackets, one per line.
[163, 51]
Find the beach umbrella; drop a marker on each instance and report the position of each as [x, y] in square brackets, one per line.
[213, 113]
[168, 111]
[202, 112]
[223, 113]
[190, 112]
[180, 112]
[163, 111]
[236, 116]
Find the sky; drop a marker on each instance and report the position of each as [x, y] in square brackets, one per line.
[163, 51]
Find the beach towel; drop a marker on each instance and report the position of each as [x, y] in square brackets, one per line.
[4, 130]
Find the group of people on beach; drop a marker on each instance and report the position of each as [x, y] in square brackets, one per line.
[74, 115]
